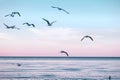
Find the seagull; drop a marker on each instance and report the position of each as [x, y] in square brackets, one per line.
[16, 13]
[64, 52]
[12, 27]
[29, 24]
[49, 24]
[18, 64]
[13, 14]
[87, 37]
[60, 9]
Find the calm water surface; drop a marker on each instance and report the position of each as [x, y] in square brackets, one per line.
[59, 68]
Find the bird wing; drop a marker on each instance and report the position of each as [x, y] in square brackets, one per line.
[65, 53]
[46, 21]
[6, 25]
[26, 23]
[82, 38]
[53, 22]
[91, 38]
[16, 28]
[54, 7]
[65, 11]
[33, 25]
[7, 15]
[18, 13]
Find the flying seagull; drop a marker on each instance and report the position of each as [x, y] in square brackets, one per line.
[64, 53]
[49, 24]
[60, 9]
[16, 13]
[13, 14]
[87, 37]
[29, 24]
[12, 27]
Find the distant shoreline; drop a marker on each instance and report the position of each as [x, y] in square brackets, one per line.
[56, 57]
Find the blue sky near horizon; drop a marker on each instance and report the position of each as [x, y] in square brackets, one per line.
[98, 18]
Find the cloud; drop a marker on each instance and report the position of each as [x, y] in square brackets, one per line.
[56, 34]
[5, 36]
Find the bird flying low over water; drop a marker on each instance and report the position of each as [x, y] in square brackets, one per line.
[64, 53]
[11, 27]
[13, 14]
[60, 9]
[87, 37]
[49, 24]
[29, 24]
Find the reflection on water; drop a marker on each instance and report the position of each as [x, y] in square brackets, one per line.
[59, 69]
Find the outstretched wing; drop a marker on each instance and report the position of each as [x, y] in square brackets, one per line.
[91, 38]
[46, 21]
[5, 24]
[7, 15]
[82, 38]
[64, 52]
[15, 28]
[53, 22]
[65, 11]
[18, 13]
[33, 25]
[26, 23]
[54, 7]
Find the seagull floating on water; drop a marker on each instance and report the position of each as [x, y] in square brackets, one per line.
[87, 37]
[61, 9]
[29, 24]
[18, 64]
[49, 24]
[64, 53]
[11, 27]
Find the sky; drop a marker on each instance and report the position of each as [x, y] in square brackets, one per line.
[99, 19]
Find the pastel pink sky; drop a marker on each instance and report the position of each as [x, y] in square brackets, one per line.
[50, 41]
[99, 19]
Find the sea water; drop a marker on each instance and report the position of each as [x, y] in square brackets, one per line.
[59, 68]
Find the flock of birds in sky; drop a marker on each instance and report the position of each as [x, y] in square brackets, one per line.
[47, 21]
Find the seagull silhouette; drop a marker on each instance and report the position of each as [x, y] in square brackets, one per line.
[87, 37]
[29, 24]
[60, 9]
[64, 53]
[49, 24]
[11, 27]
[16, 13]
[13, 14]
